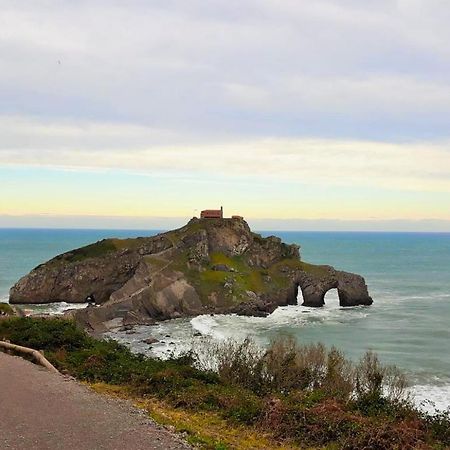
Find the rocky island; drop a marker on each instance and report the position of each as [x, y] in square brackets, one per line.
[210, 265]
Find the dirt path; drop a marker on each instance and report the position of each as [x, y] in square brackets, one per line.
[40, 410]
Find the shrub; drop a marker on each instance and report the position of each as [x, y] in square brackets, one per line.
[385, 435]
[369, 376]
[291, 367]
[284, 367]
[236, 363]
[380, 389]
[438, 426]
[43, 334]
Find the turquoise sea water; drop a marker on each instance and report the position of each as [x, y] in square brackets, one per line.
[408, 275]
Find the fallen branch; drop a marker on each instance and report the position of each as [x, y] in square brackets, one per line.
[38, 357]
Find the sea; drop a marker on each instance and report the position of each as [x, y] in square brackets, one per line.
[408, 325]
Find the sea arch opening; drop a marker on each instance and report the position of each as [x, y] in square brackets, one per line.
[331, 297]
[299, 294]
[317, 293]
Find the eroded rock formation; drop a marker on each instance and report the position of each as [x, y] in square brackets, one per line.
[207, 266]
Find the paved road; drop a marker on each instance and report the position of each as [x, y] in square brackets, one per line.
[44, 411]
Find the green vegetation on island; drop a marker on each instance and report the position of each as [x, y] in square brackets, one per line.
[237, 395]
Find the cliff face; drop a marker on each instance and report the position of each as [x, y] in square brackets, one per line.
[209, 265]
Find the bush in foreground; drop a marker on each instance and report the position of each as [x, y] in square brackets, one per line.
[304, 394]
[5, 309]
[287, 366]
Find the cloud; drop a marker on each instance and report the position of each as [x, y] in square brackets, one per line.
[247, 96]
[391, 97]
[366, 70]
[103, 146]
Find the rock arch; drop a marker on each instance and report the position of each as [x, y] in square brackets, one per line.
[352, 289]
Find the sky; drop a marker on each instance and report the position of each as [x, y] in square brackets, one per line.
[296, 114]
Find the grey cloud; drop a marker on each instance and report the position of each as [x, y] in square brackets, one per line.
[375, 69]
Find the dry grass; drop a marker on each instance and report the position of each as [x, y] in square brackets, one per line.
[204, 430]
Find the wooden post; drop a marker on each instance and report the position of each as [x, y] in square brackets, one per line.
[37, 356]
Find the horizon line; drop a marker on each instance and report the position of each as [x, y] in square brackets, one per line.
[266, 230]
[136, 223]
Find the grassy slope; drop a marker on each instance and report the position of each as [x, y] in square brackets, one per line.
[233, 285]
[245, 278]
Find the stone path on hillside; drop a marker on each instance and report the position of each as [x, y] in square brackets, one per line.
[40, 410]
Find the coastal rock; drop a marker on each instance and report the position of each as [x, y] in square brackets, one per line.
[352, 289]
[207, 266]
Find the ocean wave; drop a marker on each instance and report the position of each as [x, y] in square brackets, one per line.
[222, 326]
[208, 326]
[56, 309]
[440, 395]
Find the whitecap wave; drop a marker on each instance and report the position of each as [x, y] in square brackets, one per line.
[431, 398]
[223, 326]
[56, 309]
[208, 326]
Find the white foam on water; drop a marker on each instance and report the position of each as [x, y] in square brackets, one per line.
[304, 315]
[56, 309]
[224, 326]
[220, 326]
[207, 325]
[431, 398]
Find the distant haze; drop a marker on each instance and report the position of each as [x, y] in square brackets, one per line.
[167, 223]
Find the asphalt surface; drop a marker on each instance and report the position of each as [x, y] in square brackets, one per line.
[40, 410]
